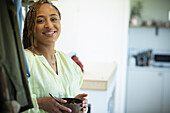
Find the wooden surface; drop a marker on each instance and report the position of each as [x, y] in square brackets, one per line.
[98, 76]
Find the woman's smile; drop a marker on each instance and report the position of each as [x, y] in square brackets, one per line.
[49, 33]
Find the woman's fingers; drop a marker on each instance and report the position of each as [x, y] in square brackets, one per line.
[51, 105]
[57, 111]
[84, 105]
[84, 100]
[84, 109]
[81, 96]
[61, 107]
[61, 100]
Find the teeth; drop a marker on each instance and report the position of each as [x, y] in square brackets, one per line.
[48, 32]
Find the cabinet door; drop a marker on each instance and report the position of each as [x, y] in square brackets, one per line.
[144, 92]
[166, 96]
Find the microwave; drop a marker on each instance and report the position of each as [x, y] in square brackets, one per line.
[161, 59]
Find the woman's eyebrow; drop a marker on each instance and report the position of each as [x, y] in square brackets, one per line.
[53, 15]
[44, 16]
[40, 16]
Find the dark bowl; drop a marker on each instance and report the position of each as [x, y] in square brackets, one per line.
[74, 104]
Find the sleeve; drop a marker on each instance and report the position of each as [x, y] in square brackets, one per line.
[80, 75]
[35, 104]
[80, 79]
[30, 58]
[77, 75]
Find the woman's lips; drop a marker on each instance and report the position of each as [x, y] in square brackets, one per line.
[49, 33]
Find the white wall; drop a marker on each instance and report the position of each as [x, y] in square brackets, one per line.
[145, 38]
[97, 31]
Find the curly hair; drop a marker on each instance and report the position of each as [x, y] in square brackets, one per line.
[30, 23]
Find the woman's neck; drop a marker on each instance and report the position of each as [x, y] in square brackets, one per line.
[49, 53]
[46, 51]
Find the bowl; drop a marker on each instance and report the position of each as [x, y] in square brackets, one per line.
[74, 104]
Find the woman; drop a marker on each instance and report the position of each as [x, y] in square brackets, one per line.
[51, 71]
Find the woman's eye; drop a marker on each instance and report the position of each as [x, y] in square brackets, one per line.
[40, 21]
[54, 19]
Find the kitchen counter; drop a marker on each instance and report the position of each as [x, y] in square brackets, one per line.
[98, 76]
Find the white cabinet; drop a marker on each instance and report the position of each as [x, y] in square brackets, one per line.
[99, 84]
[166, 93]
[148, 90]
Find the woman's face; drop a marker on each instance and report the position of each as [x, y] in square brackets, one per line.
[48, 26]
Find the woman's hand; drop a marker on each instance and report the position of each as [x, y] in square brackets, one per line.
[50, 105]
[84, 100]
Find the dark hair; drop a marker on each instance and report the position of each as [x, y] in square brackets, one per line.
[30, 23]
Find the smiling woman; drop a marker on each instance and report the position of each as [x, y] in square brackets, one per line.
[48, 26]
[51, 71]
[32, 19]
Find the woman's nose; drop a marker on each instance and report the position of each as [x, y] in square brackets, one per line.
[48, 24]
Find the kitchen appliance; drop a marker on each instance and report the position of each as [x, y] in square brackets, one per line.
[161, 59]
[143, 58]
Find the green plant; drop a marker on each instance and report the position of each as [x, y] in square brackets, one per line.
[136, 9]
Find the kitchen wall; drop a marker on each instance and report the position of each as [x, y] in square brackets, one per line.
[97, 30]
[146, 37]
[154, 9]
[92, 28]
[140, 87]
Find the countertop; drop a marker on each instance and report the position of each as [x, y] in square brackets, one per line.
[98, 76]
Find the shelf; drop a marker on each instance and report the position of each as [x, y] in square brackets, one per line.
[149, 27]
